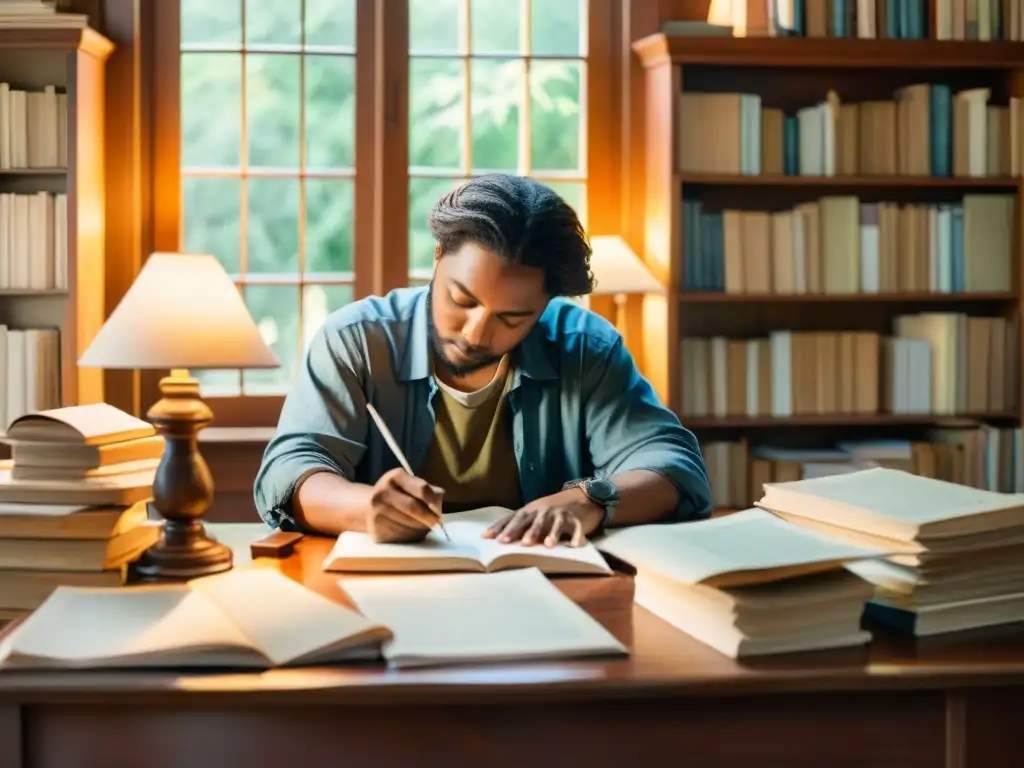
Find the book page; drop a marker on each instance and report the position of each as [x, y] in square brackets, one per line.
[284, 619]
[466, 618]
[467, 550]
[40, 510]
[895, 496]
[749, 541]
[358, 552]
[93, 423]
[138, 626]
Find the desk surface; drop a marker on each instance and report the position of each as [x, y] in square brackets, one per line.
[663, 662]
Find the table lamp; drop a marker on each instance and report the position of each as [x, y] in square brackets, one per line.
[621, 275]
[182, 312]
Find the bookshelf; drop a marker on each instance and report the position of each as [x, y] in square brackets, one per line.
[52, 211]
[917, 263]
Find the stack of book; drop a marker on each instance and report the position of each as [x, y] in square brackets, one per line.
[956, 557]
[748, 584]
[73, 501]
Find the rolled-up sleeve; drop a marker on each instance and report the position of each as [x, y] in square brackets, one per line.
[322, 425]
[627, 429]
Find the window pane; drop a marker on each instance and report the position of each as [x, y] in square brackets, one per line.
[208, 22]
[574, 193]
[494, 26]
[319, 301]
[555, 28]
[219, 383]
[211, 109]
[275, 308]
[555, 115]
[331, 22]
[497, 90]
[435, 26]
[329, 225]
[271, 21]
[423, 193]
[211, 212]
[436, 113]
[330, 111]
[272, 106]
[272, 231]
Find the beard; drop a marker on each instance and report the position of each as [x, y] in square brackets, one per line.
[437, 346]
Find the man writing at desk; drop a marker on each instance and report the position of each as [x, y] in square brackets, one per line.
[498, 391]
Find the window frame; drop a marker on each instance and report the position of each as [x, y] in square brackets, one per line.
[381, 180]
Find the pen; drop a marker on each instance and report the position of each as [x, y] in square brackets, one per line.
[393, 444]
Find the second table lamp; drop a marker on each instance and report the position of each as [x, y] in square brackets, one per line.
[183, 311]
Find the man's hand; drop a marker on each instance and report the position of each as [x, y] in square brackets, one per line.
[403, 508]
[566, 515]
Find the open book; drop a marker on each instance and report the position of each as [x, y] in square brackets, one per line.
[748, 547]
[467, 618]
[248, 618]
[91, 424]
[467, 551]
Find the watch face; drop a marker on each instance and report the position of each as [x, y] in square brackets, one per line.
[602, 490]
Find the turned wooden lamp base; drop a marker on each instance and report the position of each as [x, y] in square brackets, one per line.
[182, 488]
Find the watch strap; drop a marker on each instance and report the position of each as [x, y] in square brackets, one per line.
[606, 518]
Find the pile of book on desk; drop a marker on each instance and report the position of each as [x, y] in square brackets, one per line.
[73, 501]
[957, 552]
[748, 583]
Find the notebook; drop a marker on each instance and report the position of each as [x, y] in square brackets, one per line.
[474, 618]
[249, 618]
[467, 551]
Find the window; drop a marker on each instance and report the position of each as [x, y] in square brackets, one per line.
[267, 164]
[494, 85]
[290, 131]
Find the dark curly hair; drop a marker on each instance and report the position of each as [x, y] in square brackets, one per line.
[523, 222]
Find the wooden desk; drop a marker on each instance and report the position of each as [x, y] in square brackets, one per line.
[674, 703]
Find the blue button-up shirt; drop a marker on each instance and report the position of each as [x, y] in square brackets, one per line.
[579, 407]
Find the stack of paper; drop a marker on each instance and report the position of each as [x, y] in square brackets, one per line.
[749, 583]
[958, 552]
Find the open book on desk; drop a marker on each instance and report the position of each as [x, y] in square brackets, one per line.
[245, 618]
[467, 551]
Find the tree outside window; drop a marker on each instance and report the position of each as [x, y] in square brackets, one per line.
[267, 153]
[494, 85]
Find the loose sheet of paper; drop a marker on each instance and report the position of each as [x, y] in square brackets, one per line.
[466, 618]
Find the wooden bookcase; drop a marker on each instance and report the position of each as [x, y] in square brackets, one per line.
[791, 73]
[72, 60]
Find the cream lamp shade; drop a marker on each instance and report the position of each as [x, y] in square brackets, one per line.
[617, 270]
[183, 311]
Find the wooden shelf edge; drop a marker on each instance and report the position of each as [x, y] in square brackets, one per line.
[861, 181]
[33, 172]
[83, 39]
[795, 52]
[846, 420]
[854, 298]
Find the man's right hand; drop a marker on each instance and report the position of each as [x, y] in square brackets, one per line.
[403, 508]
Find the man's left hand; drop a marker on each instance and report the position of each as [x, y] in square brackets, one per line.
[565, 515]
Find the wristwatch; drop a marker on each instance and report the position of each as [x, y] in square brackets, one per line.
[601, 491]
